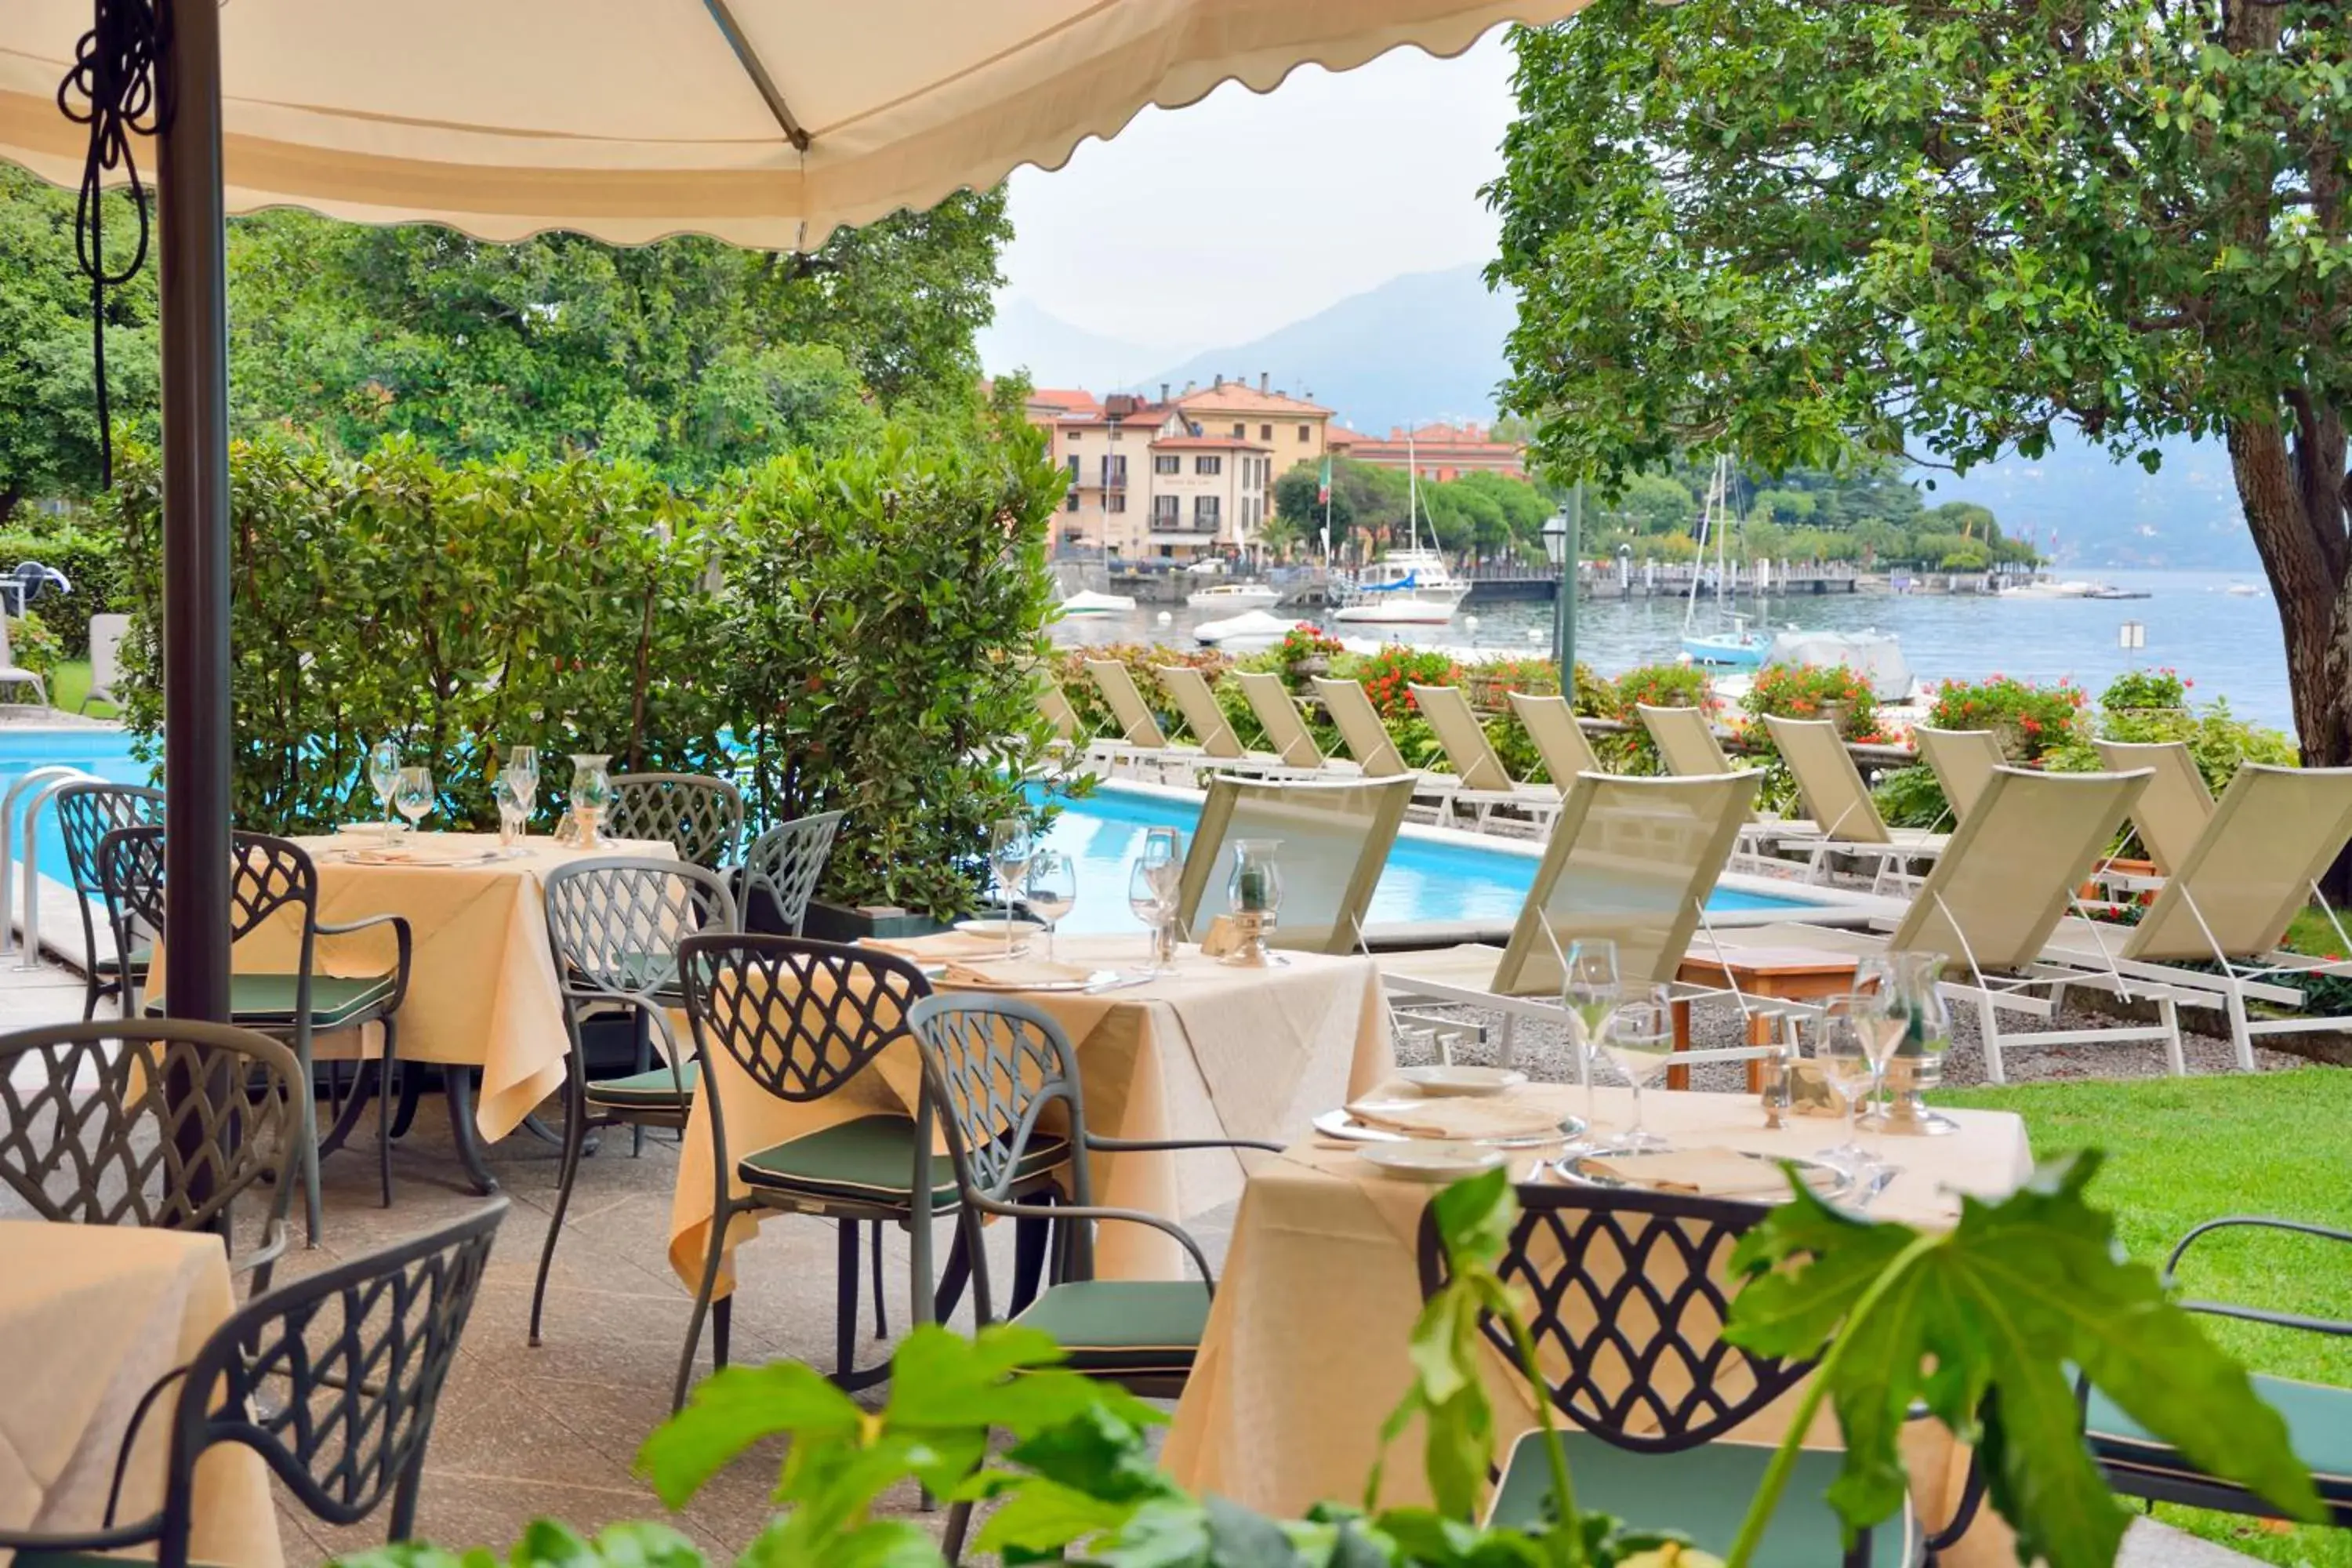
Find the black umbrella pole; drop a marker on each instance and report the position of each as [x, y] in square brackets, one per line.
[193, 257]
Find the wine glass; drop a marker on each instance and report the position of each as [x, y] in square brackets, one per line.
[1152, 896]
[510, 813]
[1880, 1019]
[1842, 1056]
[1640, 1040]
[522, 760]
[414, 795]
[1590, 993]
[1053, 890]
[524, 788]
[383, 777]
[1009, 848]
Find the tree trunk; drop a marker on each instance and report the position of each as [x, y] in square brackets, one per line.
[9, 497]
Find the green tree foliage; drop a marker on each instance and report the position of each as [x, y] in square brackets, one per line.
[1795, 229]
[1488, 513]
[49, 413]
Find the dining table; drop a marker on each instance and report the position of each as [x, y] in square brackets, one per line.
[1203, 1049]
[90, 1317]
[1306, 1352]
[482, 990]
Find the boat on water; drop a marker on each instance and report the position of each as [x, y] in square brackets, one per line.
[1875, 656]
[1087, 602]
[2242, 591]
[1725, 642]
[1233, 596]
[1250, 631]
[1408, 587]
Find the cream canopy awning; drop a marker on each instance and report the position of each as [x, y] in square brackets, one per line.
[765, 122]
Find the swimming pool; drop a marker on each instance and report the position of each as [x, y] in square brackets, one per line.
[1430, 877]
[104, 752]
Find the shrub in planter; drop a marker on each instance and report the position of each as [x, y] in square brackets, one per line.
[1387, 676]
[2141, 691]
[1912, 797]
[1805, 691]
[1142, 658]
[1649, 686]
[2219, 741]
[1305, 651]
[2030, 719]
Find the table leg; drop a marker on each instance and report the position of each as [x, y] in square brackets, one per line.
[1679, 1077]
[457, 1084]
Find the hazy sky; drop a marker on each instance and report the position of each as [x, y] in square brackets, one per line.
[1217, 223]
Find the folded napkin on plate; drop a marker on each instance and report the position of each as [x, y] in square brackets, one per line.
[1012, 971]
[1498, 1116]
[1709, 1173]
[420, 856]
[940, 947]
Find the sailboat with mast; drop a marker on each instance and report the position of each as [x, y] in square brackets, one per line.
[1724, 640]
[1408, 587]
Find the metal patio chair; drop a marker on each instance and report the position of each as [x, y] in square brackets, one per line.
[801, 1019]
[1630, 1300]
[784, 865]
[613, 925]
[87, 813]
[164, 1122]
[701, 817]
[993, 1069]
[267, 876]
[332, 1380]
[2318, 1415]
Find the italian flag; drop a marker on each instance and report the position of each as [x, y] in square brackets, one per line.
[1323, 491]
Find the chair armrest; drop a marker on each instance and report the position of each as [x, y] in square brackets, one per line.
[403, 938]
[1162, 1146]
[2258, 1314]
[1130, 1216]
[272, 1247]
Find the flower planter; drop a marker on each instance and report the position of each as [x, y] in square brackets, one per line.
[841, 922]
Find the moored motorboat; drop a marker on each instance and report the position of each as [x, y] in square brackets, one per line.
[1254, 628]
[1087, 602]
[1235, 597]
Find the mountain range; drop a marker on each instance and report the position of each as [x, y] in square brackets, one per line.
[1429, 345]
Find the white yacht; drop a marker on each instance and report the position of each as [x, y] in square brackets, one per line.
[1408, 587]
[1087, 602]
[1233, 596]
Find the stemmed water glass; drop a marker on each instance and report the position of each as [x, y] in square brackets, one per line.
[1640, 1040]
[512, 814]
[1009, 849]
[1842, 1056]
[1052, 890]
[1590, 991]
[414, 795]
[1881, 1020]
[522, 795]
[383, 777]
[1152, 896]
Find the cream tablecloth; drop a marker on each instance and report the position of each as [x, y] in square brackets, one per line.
[1207, 1052]
[481, 986]
[1305, 1354]
[89, 1317]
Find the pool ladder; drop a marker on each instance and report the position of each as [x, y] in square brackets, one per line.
[48, 779]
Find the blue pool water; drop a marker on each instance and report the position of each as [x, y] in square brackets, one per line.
[105, 752]
[1424, 880]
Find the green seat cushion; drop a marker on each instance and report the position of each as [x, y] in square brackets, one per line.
[1124, 1325]
[1702, 1492]
[335, 999]
[872, 1160]
[2318, 1423]
[140, 959]
[655, 1090]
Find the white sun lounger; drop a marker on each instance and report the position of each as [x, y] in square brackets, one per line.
[1485, 786]
[1962, 761]
[1142, 745]
[1285, 731]
[1219, 743]
[1374, 749]
[1840, 805]
[1335, 836]
[1686, 744]
[1551, 723]
[2176, 808]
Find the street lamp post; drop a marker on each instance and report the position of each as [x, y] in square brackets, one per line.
[1561, 545]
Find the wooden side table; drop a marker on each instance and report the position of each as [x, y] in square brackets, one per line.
[1781, 974]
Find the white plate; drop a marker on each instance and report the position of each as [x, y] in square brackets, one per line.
[367, 829]
[1420, 1160]
[1453, 1082]
[1099, 979]
[422, 857]
[1827, 1180]
[1337, 1123]
[999, 930]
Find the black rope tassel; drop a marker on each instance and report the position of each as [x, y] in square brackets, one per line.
[117, 73]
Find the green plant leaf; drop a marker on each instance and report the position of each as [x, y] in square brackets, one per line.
[1041, 1516]
[1976, 1322]
[733, 1408]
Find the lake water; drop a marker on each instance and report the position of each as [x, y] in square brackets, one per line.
[2228, 645]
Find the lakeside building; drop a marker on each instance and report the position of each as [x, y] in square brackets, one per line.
[1440, 451]
[1188, 474]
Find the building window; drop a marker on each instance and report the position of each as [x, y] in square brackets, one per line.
[1205, 511]
[1112, 436]
[1265, 432]
[1115, 501]
[1070, 501]
[1114, 470]
[1072, 435]
[1166, 509]
[1208, 465]
[1166, 463]
[1307, 432]
[1239, 429]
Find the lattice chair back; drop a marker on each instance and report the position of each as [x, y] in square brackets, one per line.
[266, 875]
[800, 1017]
[1630, 1293]
[785, 863]
[162, 1122]
[702, 817]
[332, 1380]
[87, 813]
[995, 1068]
[614, 923]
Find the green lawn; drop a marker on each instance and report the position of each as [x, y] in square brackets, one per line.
[69, 681]
[2184, 1149]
